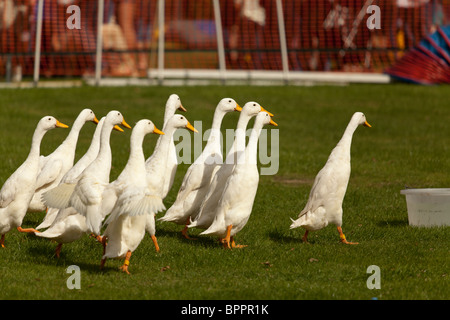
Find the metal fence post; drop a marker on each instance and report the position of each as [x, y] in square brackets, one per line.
[99, 45]
[161, 40]
[220, 43]
[283, 45]
[37, 49]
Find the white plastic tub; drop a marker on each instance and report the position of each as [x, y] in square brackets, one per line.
[428, 207]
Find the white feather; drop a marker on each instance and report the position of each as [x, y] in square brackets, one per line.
[325, 200]
[62, 197]
[59, 196]
[237, 198]
[86, 197]
[133, 200]
[156, 176]
[18, 190]
[59, 162]
[210, 202]
[198, 177]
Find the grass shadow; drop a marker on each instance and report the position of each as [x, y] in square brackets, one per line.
[43, 251]
[393, 223]
[198, 240]
[284, 238]
[32, 220]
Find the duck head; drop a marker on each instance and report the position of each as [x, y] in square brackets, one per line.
[253, 108]
[147, 126]
[265, 118]
[88, 115]
[116, 118]
[179, 121]
[229, 105]
[360, 118]
[49, 122]
[174, 103]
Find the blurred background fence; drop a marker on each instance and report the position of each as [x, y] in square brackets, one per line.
[159, 39]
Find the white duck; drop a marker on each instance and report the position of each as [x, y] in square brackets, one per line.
[86, 196]
[155, 173]
[55, 165]
[17, 191]
[67, 225]
[172, 105]
[71, 177]
[134, 201]
[236, 202]
[207, 210]
[198, 177]
[330, 185]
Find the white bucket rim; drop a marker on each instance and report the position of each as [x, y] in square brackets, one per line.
[427, 191]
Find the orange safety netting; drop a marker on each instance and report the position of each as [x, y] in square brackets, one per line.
[321, 35]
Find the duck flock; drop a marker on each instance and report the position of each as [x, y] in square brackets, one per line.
[79, 198]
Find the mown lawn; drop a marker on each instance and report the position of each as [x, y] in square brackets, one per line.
[408, 145]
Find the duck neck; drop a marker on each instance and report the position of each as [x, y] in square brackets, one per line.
[169, 111]
[239, 139]
[156, 167]
[215, 133]
[104, 152]
[72, 137]
[252, 146]
[165, 141]
[95, 142]
[162, 148]
[36, 143]
[346, 141]
[136, 158]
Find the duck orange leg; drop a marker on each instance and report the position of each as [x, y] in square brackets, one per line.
[27, 230]
[2, 241]
[184, 231]
[155, 242]
[305, 236]
[126, 263]
[58, 250]
[226, 240]
[97, 237]
[102, 263]
[233, 245]
[104, 244]
[342, 237]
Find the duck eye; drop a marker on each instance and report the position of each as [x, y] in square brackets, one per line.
[49, 119]
[229, 101]
[254, 104]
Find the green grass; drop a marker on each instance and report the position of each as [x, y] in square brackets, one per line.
[408, 145]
